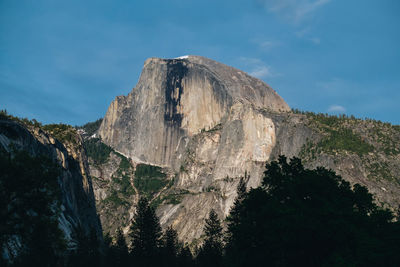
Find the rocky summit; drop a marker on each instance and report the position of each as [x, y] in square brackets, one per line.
[176, 99]
[192, 127]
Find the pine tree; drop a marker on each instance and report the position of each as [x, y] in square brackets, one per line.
[241, 194]
[210, 253]
[145, 232]
[302, 217]
[235, 214]
[120, 249]
[170, 247]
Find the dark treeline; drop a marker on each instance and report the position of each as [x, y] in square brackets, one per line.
[297, 217]
[301, 217]
[149, 246]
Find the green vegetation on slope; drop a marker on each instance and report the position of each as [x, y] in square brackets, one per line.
[115, 199]
[91, 127]
[5, 116]
[120, 186]
[122, 178]
[62, 132]
[338, 135]
[360, 136]
[374, 142]
[345, 140]
[149, 179]
[97, 150]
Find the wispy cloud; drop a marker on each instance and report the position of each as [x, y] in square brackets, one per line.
[266, 44]
[257, 68]
[315, 40]
[294, 10]
[261, 72]
[337, 108]
[306, 34]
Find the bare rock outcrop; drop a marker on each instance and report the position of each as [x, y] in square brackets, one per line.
[178, 98]
[209, 124]
[203, 120]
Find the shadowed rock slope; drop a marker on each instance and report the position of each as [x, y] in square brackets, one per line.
[73, 207]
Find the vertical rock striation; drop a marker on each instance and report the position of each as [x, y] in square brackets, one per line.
[178, 98]
[209, 124]
[203, 120]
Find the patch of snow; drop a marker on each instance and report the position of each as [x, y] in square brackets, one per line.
[182, 57]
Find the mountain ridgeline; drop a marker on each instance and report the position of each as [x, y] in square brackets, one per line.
[192, 141]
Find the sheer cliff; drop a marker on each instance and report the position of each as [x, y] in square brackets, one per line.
[46, 184]
[206, 124]
[178, 98]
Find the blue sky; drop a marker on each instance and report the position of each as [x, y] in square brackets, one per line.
[65, 61]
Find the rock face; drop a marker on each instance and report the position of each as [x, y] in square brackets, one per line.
[177, 110]
[77, 208]
[114, 192]
[178, 98]
[209, 124]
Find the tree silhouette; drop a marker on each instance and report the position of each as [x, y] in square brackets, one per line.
[119, 250]
[210, 253]
[302, 217]
[233, 218]
[170, 247]
[145, 232]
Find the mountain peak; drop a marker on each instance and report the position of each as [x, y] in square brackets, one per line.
[178, 98]
[238, 84]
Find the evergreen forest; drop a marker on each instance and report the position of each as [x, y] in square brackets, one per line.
[297, 217]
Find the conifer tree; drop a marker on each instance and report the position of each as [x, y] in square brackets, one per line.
[145, 232]
[235, 214]
[241, 194]
[120, 249]
[303, 217]
[170, 247]
[210, 253]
